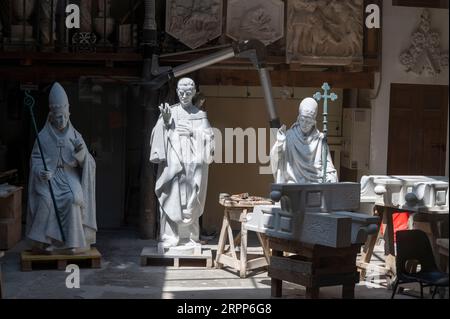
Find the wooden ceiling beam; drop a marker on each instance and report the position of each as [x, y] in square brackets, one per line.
[208, 76]
[45, 73]
[344, 80]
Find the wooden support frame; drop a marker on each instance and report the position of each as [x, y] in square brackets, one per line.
[227, 254]
[312, 266]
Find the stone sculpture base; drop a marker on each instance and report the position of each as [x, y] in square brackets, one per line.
[182, 250]
[91, 259]
[151, 256]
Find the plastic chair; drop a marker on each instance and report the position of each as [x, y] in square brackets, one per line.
[414, 248]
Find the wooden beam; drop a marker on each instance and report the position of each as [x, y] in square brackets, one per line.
[440, 4]
[209, 76]
[70, 57]
[345, 80]
[42, 73]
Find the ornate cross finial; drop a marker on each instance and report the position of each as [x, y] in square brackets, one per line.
[325, 96]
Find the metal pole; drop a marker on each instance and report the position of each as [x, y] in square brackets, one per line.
[325, 141]
[267, 88]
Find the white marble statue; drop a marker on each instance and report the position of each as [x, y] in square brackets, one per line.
[182, 146]
[296, 156]
[71, 172]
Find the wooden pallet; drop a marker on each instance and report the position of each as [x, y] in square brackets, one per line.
[151, 257]
[91, 259]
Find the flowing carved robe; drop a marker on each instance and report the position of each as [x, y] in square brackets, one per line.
[182, 170]
[73, 184]
[298, 159]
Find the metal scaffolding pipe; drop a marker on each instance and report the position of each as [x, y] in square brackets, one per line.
[203, 62]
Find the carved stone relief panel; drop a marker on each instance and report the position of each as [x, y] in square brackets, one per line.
[255, 19]
[325, 31]
[194, 22]
[424, 56]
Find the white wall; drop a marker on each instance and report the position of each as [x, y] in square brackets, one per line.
[398, 25]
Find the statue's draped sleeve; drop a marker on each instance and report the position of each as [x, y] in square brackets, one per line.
[277, 160]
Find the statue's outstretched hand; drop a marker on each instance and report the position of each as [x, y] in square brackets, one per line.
[165, 112]
[79, 150]
[281, 135]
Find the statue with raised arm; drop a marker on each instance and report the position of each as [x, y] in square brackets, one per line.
[296, 156]
[182, 146]
[61, 214]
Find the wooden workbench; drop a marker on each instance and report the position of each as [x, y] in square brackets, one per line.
[236, 209]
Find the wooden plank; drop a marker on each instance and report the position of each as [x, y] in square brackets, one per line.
[307, 250]
[42, 73]
[291, 246]
[221, 245]
[360, 80]
[243, 251]
[70, 57]
[60, 262]
[229, 261]
[335, 279]
[365, 266]
[265, 246]
[292, 265]
[440, 4]
[231, 241]
[369, 246]
[286, 275]
[28, 256]
[256, 263]
[9, 173]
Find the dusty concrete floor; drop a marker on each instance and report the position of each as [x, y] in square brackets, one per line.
[121, 276]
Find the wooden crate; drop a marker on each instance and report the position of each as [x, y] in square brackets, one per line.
[91, 259]
[10, 233]
[11, 205]
[11, 219]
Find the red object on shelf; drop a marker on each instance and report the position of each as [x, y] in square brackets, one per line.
[400, 222]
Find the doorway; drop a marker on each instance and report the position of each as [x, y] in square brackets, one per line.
[417, 129]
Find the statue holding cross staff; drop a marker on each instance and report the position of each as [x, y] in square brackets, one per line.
[301, 155]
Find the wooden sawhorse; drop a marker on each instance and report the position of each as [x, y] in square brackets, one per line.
[228, 255]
